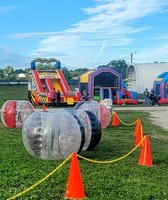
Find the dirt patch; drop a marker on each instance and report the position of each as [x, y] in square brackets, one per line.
[160, 117]
[158, 114]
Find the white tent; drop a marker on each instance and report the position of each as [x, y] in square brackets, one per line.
[141, 76]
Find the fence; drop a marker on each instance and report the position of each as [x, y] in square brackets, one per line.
[7, 83]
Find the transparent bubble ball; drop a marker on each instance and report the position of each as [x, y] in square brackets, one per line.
[96, 130]
[15, 112]
[52, 135]
[85, 120]
[99, 109]
[105, 115]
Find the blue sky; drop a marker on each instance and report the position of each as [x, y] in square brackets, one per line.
[83, 33]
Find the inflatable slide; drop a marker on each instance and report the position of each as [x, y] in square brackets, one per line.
[41, 83]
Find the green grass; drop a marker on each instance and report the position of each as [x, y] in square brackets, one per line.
[124, 179]
[14, 92]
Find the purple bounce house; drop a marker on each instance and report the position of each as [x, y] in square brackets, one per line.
[102, 83]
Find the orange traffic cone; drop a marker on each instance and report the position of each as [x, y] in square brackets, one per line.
[145, 157]
[75, 189]
[115, 121]
[137, 127]
[44, 107]
[139, 136]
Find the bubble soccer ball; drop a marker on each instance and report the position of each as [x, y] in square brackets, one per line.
[108, 103]
[105, 115]
[96, 130]
[14, 113]
[85, 120]
[92, 127]
[99, 109]
[92, 106]
[52, 135]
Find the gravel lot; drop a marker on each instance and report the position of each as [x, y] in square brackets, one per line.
[159, 114]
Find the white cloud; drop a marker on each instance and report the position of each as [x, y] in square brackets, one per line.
[32, 35]
[109, 25]
[102, 48]
[159, 53]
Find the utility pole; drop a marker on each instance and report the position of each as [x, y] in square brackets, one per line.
[132, 56]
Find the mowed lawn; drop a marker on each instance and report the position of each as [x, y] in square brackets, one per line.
[123, 179]
[13, 92]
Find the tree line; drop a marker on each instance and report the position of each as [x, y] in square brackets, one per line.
[9, 73]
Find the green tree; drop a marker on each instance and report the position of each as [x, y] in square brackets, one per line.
[1, 74]
[45, 66]
[12, 77]
[40, 66]
[118, 65]
[66, 73]
[8, 73]
[27, 70]
[8, 70]
[18, 71]
[76, 72]
[100, 66]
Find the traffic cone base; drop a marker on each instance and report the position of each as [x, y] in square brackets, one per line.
[145, 156]
[115, 121]
[75, 189]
